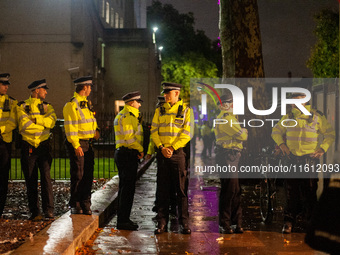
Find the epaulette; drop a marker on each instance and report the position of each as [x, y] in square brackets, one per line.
[225, 114]
[179, 112]
[12, 98]
[44, 102]
[20, 103]
[71, 99]
[162, 110]
[132, 114]
[90, 105]
[290, 115]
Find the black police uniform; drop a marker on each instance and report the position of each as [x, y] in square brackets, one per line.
[8, 123]
[129, 143]
[80, 128]
[36, 118]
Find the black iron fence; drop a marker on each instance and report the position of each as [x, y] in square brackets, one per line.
[104, 150]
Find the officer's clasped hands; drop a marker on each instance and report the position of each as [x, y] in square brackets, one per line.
[318, 153]
[284, 149]
[167, 152]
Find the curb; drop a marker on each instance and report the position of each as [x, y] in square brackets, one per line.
[69, 232]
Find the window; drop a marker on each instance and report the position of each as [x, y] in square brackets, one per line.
[112, 16]
[117, 20]
[121, 23]
[103, 9]
[107, 15]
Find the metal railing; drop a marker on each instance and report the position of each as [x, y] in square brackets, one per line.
[104, 150]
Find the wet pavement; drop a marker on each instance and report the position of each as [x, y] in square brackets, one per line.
[258, 238]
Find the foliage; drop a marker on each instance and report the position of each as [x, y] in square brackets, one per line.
[176, 31]
[324, 60]
[182, 68]
[60, 169]
[187, 53]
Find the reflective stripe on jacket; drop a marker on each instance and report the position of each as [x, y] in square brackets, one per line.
[302, 139]
[8, 117]
[35, 125]
[229, 135]
[128, 130]
[79, 121]
[168, 129]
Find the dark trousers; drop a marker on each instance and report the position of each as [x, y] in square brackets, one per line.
[230, 211]
[193, 146]
[31, 159]
[81, 175]
[173, 196]
[207, 146]
[300, 193]
[127, 164]
[5, 164]
[172, 172]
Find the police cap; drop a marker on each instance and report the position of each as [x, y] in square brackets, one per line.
[85, 80]
[297, 94]
[38, 84]
[132, 96]
[168, 86]
[227, 98]
[161, 100]
[4, 78]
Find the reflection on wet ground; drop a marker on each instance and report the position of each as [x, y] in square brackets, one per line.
[258, 238]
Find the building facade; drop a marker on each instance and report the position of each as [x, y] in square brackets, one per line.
[62, 40]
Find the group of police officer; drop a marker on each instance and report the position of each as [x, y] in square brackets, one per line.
[170, 133]
[35, 118]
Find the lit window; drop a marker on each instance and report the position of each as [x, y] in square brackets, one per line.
[117, 20]
[103, 9]
[121, 23]
[107, 16]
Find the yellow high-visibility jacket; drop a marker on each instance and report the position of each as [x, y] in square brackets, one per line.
[205, 130]
[8, 117]
[79, 121]
[35, 119]
[151, 147]
[303, 138]
[229, 134]
[171, 129]
[128, 130]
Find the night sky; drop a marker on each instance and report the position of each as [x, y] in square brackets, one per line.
[286, 29]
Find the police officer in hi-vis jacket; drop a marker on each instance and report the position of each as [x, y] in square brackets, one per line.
[298, 139]
[36, 118]
[80, 128]
[8, 122]
[170, 131]
[229, 145]
[129, 144]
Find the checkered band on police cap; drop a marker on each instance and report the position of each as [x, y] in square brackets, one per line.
[132, 96]
[38, 84]
[85, 80]
[168, 86]
[4, 78]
